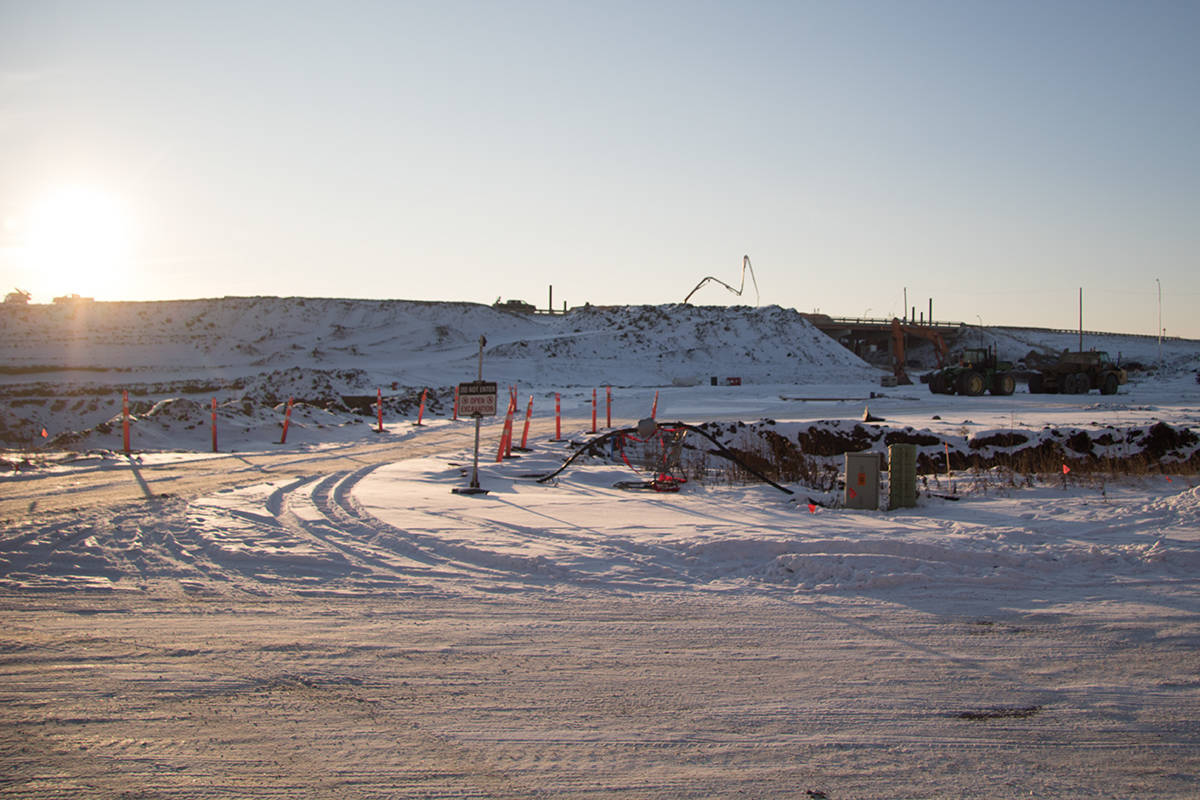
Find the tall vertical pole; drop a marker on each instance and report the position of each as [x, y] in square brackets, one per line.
[379, 408]
[1081, 319]
[607, 406]
[478, 417]
[906, 304]
[1160, 328]
[214, 424]
[593, 410]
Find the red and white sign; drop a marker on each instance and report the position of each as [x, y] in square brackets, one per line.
[477, 398]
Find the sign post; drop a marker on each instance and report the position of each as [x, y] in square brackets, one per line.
[476, 399]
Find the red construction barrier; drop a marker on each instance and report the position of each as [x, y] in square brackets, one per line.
[525, 432]
[421, 410]
[214, 423]
[125, 420]
[593, 410]
[557, 417]
[287, 420]
[607, 406]
[654, 408]
[379, 408]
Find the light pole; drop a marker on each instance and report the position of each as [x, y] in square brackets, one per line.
[1160, 328]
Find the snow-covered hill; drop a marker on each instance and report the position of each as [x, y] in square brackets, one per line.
[63, 366]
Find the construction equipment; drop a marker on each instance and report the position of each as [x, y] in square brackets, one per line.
[978, 371]
[1079, 373]
[899, 330]
[737, 291]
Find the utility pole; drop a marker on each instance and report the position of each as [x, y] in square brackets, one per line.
[1160, 327]
[1081, 319]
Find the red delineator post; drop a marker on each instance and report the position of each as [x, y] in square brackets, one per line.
[421, 410]
[456, 403]
[654, 408]
[528, 415]
[557, 417]
[379, 409]
[287, 420]
[125, 420]
[593, 410]
[607, 406]
[214, 423]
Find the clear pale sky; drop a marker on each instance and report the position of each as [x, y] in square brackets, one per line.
[995, 156]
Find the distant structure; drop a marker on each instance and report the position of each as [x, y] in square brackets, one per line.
[17, 297]
[73, 298]
[517, 306]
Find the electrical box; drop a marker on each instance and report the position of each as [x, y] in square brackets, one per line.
[902, 476]
[862, 481]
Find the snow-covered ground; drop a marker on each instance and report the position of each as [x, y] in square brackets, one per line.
[326, 619]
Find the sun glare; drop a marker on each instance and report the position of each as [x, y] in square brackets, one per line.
[78, 240]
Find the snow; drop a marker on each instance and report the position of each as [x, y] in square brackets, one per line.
[326, 617]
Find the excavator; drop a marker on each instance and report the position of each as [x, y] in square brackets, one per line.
[899, 329]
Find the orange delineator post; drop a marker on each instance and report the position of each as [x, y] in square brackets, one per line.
[379, 409]
[654, 408]
[125, 420]
[214, 423]
[593, 410]
[557, 417]
[528, 415]
[287, 420]
[421, 410]
[607, 406]
[506, 431]
[512, 411]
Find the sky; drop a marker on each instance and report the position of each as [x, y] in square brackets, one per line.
[993, 157]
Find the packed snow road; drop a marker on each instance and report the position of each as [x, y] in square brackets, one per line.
[334, 623]
[120, 480]
[646, 697]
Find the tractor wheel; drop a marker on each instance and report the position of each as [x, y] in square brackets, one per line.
[937, 383]
[1067, 383]
[1083, 384]
[971, 383]
[1003, 383]
[1109, 386]
[1037, 384]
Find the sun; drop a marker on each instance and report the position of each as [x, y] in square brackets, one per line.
[78, 239]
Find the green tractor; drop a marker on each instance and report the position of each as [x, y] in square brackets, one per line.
[977, 372]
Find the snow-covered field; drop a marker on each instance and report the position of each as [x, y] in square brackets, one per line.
[326, 618]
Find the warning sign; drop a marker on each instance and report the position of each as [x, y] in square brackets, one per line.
[477, 398]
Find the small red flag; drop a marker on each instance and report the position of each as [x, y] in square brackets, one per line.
[812, 508]
[853, 494]
[1066, 469]
[1168, 479]
[44, 435]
